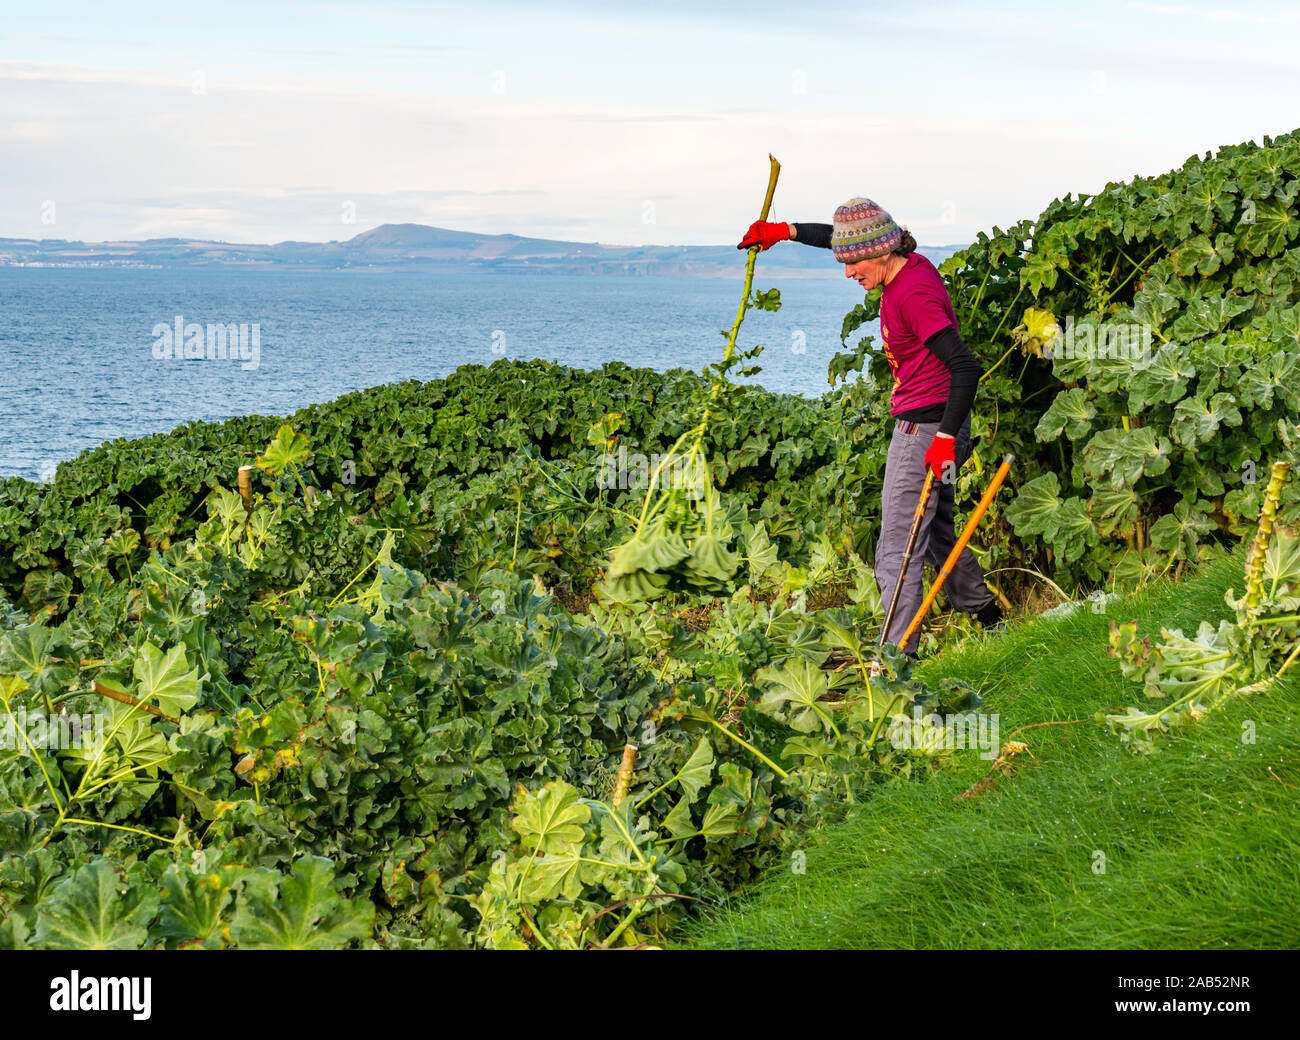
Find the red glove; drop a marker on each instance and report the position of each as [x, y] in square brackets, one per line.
[942, 457]
[764, 235]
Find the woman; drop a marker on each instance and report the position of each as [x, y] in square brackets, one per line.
[935, 377]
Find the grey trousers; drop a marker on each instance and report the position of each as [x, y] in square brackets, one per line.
[904, 477]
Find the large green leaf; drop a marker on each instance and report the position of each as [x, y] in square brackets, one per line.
[1200, 255]
[678, 821]
[1072, 412]
[709, 558]
[793, 690]
[720, 820]
[551, 819]
[1194, 664]
[288, 449]
[557, 874]
[1180, 532]
[1200, 478]
[1121, 457]
[301, 912]
[1275, 375]
[1212, 198]
[1162, 380]
[1114, 512]
[840, 630]
[1041, 271]
[166, 680]
[635, 587]
[36, 653]
[95, 909]
[194, 902]
[1154, 302]
[1105, 367]
[652, 549]
[1284, 327]
[1206, 315]
[760, 551]
[1197, 420]
[1039, 510]
[695, 775]
[1274, 226]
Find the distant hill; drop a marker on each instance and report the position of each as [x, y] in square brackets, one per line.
[421, 246]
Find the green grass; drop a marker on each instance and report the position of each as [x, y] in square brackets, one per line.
[1200, 838]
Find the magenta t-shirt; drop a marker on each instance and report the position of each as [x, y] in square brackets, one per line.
[913, 307]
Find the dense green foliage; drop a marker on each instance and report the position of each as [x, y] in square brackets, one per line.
[1080, 844]
[467, 453]
[1133, 457]
[307, 742]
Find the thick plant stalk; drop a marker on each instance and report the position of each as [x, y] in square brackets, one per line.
[688, 461]
[730, 350]
[624, 780]
[696, 435]
[126, 698]
[1259, 547]
[246, 487]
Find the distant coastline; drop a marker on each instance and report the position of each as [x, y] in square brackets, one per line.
[394, 247]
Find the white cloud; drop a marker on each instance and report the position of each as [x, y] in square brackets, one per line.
[134, 152]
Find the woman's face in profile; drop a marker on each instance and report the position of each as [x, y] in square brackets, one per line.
[867, 273]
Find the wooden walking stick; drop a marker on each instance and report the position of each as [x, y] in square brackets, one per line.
[907, 552]
[944, 571]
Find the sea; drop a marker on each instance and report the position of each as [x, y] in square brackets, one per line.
[86, 354]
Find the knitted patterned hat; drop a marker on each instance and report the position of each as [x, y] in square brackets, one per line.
[863, 231]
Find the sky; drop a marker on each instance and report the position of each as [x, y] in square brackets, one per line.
[604, 121]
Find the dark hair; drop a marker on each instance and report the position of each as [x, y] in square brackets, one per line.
[906, 245]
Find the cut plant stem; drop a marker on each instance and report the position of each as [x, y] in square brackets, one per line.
[126, 698]
[624, 780]
[246, 488]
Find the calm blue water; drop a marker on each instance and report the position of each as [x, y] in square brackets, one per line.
[76, 345]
